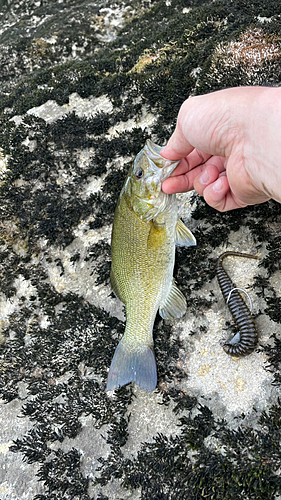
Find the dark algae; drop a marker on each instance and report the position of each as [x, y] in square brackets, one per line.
[164, 468]
[63, 160]
[248, 337]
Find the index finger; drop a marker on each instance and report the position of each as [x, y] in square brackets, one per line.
[191, 165]
[183, 182]
[194, 159]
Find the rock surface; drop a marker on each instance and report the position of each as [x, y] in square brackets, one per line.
[83, 85]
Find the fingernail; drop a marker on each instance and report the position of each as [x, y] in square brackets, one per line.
[217, 185]
[204, 178]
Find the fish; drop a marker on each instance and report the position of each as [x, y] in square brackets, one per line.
[146, 229]
[248, 337]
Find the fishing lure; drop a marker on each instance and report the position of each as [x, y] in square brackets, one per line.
[248, 338]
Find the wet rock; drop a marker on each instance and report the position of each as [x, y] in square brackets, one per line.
[82, 87]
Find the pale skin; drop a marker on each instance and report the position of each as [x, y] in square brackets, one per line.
[229, 143]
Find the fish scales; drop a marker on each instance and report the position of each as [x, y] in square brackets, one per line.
[143, 253]
[140, 267]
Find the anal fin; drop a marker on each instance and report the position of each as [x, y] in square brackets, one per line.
[174, 305]
[184, 236]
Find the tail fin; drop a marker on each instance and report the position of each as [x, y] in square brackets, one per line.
[132, 366]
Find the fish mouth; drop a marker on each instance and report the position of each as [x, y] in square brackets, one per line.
[160, 165]
[152, 201]
[159, 169]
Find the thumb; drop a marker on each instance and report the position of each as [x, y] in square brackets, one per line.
[209, 123]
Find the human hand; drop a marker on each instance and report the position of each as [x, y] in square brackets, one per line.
[230, 145]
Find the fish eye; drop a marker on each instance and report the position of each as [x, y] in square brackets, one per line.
[139, 173]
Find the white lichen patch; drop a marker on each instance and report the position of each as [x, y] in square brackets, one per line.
[144, 121]
[88, 237]
[79, 277]
[7, 307]
[17, 480]
[25, 292]
[3, 167]
[24, 288]
[109, 21]
[44, 321]
[141, 427]
[52, 40]
[186, 206]
[95, 184]
[275, 281]
[113, 17]
[84, 157]
[251, 49]
[10, 234]
[240, 383]
[50, 111]
[30, 144]
[263, 19]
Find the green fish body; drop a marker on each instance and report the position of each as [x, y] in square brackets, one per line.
[145, 231]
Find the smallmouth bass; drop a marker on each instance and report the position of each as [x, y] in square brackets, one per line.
[146, 229]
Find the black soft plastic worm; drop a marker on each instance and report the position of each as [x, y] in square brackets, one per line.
[239, 310]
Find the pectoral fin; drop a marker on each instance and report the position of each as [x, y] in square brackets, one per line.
[157, 235]
[174, 306]
[184, 237]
